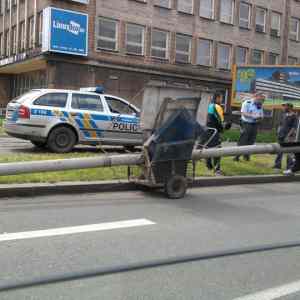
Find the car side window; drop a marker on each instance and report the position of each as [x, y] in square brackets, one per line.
[52, 99]
[119, 107]
[87, 102]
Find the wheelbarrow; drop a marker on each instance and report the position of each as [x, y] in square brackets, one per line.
[167, 152]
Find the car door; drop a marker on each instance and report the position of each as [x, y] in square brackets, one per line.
[49, 108]
[125, 121]
[89, 115]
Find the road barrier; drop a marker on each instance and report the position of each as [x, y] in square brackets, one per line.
[131, 159]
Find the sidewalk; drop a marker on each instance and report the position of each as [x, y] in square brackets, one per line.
[39, 189]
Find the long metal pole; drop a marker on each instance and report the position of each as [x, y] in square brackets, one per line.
[69, 164]
[131, 159]
[244, 150]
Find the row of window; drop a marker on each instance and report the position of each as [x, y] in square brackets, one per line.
[24, 82]
[11, 41]
[108, 39]
[226, 14]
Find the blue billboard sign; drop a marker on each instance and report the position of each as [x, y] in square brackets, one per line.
[65, 31]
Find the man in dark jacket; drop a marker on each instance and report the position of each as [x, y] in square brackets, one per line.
[286, 132]
[296, 163]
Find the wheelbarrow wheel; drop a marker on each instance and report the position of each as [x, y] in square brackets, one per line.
[175, 187]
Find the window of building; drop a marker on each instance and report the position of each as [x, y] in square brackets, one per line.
[294, 29]
[6, 43]
[275, 24]
[135, 38]
[51, 99]
[14, 39]
[7, 4]
[87, 102]
[241, 55]
[257, 57]
[245, 15]
[21, 83]
[206, 9]
[292, 60]
[40, 21]
[163, 3]
[159, 44]
[183, 48]
[224, 56]
[186, 6]
[226, 11]
[22, 36]
[119, 107]
[260, 19]
[273, 59]
[107, 34]
[204, 52]
[31, 32]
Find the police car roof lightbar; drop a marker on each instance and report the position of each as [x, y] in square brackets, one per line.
[97, 89]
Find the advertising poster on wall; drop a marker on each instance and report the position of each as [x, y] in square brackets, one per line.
[280, 84]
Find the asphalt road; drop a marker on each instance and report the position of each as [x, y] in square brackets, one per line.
[10, 145]
[207, 220]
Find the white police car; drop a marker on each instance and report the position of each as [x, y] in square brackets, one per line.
[60, 119]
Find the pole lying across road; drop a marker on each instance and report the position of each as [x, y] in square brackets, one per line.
[131, 159]
[244, 150]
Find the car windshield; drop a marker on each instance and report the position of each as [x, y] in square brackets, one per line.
[23, 97]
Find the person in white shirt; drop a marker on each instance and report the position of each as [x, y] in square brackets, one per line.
[251, 113]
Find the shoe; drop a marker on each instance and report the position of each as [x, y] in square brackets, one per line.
[237, 159]
[246, 158]
[288, 172]
[219, 173]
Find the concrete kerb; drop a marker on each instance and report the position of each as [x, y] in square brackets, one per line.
[42, 189]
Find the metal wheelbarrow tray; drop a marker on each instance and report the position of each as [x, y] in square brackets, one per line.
[167, 152]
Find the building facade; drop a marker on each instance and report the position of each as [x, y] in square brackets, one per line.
[132, 42]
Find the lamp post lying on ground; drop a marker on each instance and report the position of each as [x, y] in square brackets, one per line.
[131, 159]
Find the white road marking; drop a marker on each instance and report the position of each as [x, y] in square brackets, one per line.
[74, 229]
[274, 293]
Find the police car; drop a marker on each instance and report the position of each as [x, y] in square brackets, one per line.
[60, 119]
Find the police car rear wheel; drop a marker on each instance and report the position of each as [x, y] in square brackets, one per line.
[61, 140]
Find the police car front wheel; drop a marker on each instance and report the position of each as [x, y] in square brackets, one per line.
[61, 139]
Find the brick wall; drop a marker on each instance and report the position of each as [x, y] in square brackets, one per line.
[170, 20]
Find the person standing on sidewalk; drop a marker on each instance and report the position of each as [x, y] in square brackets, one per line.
[296, 162]
[215, 119]
[251, 113]
[286, 133]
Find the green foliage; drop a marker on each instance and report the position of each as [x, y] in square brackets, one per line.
[262, 137]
